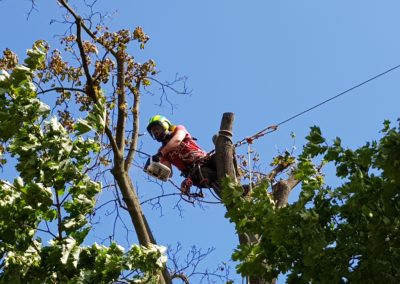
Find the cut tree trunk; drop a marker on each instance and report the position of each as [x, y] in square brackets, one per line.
[224, 154]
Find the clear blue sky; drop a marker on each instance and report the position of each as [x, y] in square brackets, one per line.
[263, 60]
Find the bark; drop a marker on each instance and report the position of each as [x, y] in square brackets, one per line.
[132, 203]
[135, 125]
[224, 153]
[282, 189]
[224, 148]
[139, 221]
[121, 101]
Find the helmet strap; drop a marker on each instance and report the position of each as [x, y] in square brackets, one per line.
[166, 138]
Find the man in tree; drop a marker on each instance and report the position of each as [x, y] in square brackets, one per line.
[180, 149]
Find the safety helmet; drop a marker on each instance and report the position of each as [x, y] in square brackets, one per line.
[159, 120]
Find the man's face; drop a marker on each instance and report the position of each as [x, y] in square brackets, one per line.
[158, 132]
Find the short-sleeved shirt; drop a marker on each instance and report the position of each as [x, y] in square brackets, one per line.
[187, 153]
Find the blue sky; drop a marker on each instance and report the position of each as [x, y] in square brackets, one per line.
[263, 60]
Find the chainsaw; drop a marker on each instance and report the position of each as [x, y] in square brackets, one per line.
[157, 170]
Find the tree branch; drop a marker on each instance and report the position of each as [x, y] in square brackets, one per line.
[122, 104]
[87, 30]
[90, 84]
[59, 218]
[135, 132]
[61, 89]
[90, 89]
[282, 189]
[180, 276]
[277, 170]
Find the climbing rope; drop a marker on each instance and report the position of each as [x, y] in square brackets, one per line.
[273, 128]
[249, 162]
[250, 140]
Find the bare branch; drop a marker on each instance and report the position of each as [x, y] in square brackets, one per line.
[166, 86]
[59, 218]
[122, 104]
[158, 197]
[64, 3]
[33, 8]
[135, 122]
[61, 89]
[184, 268]
[47, 231]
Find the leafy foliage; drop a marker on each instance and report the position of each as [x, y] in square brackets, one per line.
[54, 192]
[346, 234]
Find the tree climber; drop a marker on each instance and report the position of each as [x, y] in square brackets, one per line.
[180, 149]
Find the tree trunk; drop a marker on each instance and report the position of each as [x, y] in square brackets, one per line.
[121, 167]
[224, 148]
[139, 221]
[224, 154]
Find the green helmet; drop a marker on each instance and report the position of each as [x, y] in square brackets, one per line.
[159, 120]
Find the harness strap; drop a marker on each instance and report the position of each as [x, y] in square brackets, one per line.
[203, 181]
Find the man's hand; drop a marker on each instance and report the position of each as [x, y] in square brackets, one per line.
[156, 157]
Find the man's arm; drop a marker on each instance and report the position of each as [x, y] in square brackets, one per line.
[175, 141]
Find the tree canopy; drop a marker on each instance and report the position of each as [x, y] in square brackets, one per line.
[332, 234]
[54, 193]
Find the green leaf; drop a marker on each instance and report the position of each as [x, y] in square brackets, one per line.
[329, 231]
[97, 117]
[36, 55]
[20, 74]
[315, 136]
[50, 215]
[4, 76]
[82, 126]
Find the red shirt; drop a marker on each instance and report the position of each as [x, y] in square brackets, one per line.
[186, 153]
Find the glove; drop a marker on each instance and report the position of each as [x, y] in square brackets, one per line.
[156, 158]
[185, 186]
